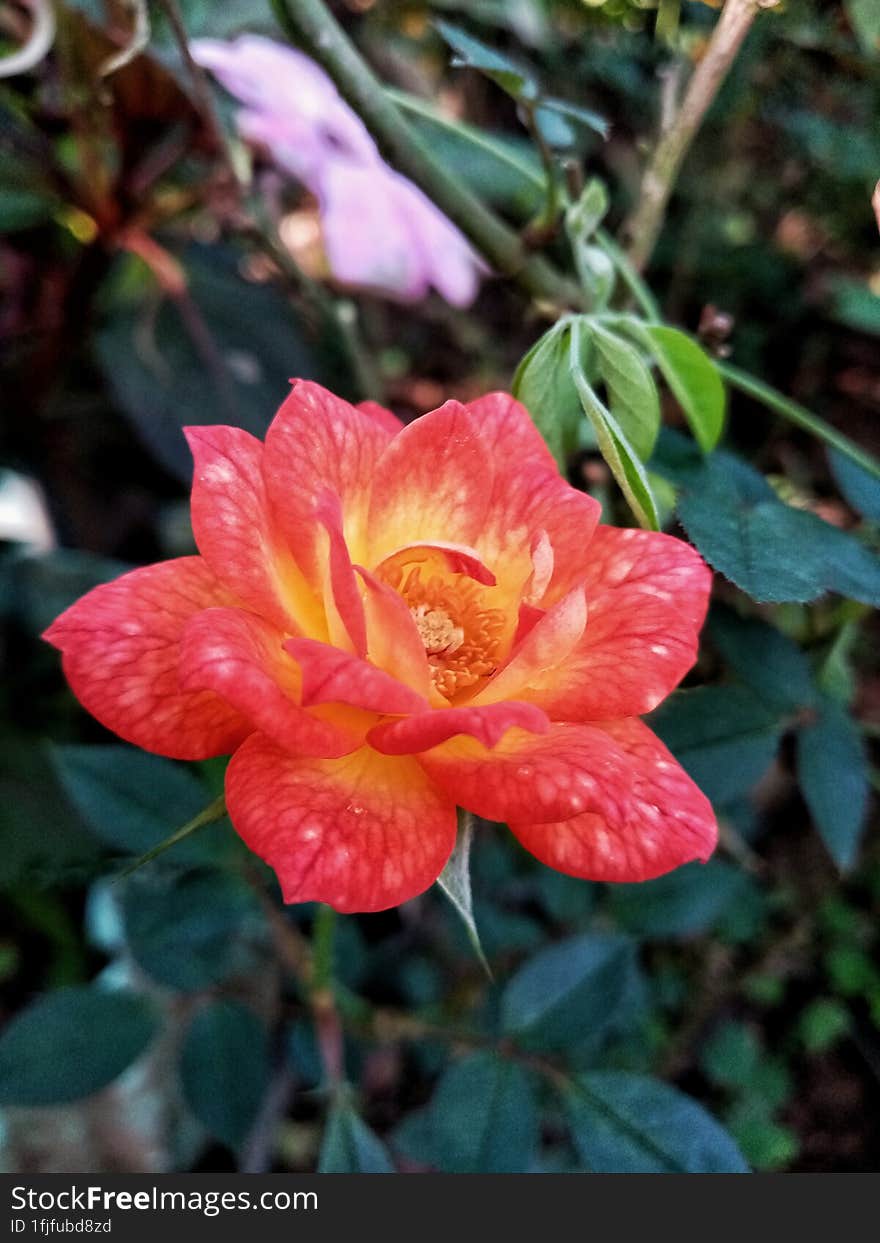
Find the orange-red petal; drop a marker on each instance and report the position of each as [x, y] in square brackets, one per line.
[236, 531]
[316, 443]
[668, 821]
[121, 656]
[647, 596]
[567, 771]
[241, 657]
[361, 833]
[528, 496]
[384, 417]
[393, 641]
[432, 483]
[343, 606]
[456, 558]
[332, 676]
[488, 724]
[548, 642]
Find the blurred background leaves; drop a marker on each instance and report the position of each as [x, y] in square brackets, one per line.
[164, 1020]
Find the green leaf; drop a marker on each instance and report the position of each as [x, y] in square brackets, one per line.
[595, 266]
[224, 1069]
[864, 16]
[693, 379]
[350, 1147]
[629, 1124]
[574, 112]
[690, 901]
[614, 446]
[731, 1055]
[583, 218]
[26, 197]
[455, 881]
[770, 663]
[44, 586]
[771, 550]
[214, 811]
[472, 54]
[130, 799]
[836, 676]
[227, 361]
[554, 129]
[189, 931]
[724, 736]
[860, 488]
[821, 1025]
[71, 1043]
[44, 841]
[832, 765]
[631, 389]
[569, 991]
[855, 304]
[544, 385]
[482, 1119]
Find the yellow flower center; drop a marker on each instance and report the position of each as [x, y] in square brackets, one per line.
[460, 634]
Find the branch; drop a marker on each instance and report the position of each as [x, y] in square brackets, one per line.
[642, 228]
[801, 417]
[312, 967]
[309, 23]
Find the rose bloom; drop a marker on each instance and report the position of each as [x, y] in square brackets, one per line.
[385, 622]
[379, 230]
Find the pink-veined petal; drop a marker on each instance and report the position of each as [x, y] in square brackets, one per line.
[318, 443]
[236, 531]
[432, 483]
[361, 833]
[668, 820]
[121, 656]
[488, 724]
[332, 676]
[569, 770]
[393, 641]
[647, 596]
[241, 657]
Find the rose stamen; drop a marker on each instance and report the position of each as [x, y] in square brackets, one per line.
[460, 634]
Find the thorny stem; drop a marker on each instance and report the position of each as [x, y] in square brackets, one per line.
[310, 23]
[643, 226]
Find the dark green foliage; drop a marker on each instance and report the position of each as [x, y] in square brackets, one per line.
[224, 1069]
[482, 1119]
[71, 1043]
[350, 1147]
[190, 930]
[630, 1124]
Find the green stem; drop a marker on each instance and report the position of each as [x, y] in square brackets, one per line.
[630, 277]
[796, 414]
[550, 213]
[323, 935]
[322, 998]
[310, 23]
[214, 811]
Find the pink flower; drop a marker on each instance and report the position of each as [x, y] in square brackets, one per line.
[380, 231]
